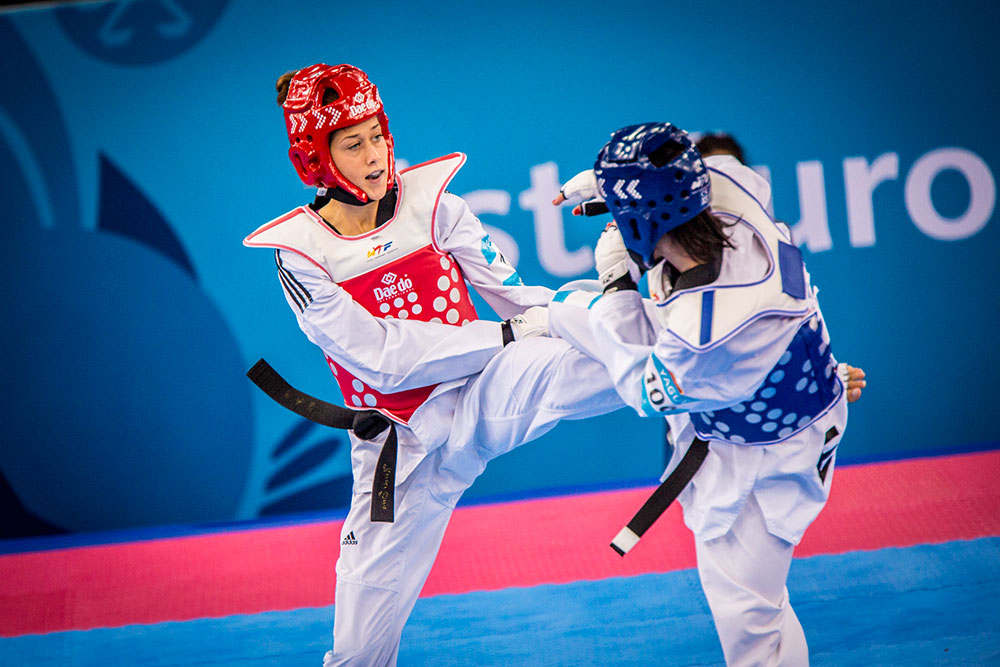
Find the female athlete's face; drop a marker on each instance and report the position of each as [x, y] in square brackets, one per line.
[361, 155]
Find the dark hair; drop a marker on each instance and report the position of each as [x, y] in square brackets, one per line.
[281, 85]
[720, 143]
[702, 237]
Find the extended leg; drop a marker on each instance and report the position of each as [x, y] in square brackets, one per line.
[521, 395]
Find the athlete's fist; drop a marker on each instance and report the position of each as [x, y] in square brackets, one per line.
[583, 186]
[854, 379]
[611, 257]
[532, 322]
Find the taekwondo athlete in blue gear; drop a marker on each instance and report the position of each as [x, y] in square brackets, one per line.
[731, 348]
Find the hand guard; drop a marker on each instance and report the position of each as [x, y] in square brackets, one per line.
[584, 186]
[532, 322]
[612, 260]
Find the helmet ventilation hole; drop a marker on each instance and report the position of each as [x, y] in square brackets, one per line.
[330, 95]
[666, 153]
[635, 229]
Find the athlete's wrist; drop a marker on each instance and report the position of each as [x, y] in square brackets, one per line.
[506, 332]
[621, 283]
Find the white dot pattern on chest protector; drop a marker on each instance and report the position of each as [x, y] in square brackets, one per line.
[797, 390]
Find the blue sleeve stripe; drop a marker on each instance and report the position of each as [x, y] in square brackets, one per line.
[513, 281]
[486, 246]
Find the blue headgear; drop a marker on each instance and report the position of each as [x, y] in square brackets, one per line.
[653, 179]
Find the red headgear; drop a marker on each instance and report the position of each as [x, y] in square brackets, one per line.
[310, 123]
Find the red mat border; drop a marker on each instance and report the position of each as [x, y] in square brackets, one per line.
[489, 547]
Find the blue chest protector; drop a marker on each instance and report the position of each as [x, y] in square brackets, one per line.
[799, 389]
[803, 385]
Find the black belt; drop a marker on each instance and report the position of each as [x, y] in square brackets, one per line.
[665, 494]
[366, 424]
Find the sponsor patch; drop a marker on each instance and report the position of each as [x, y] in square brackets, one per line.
[660, 393]
[394, 286]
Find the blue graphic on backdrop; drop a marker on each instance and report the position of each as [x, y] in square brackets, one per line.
[139, 32]
[28, 122]
[120, 200]
[331, 493]
[126, 390]
[905, 200]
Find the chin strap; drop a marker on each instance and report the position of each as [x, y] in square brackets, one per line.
[343, 196]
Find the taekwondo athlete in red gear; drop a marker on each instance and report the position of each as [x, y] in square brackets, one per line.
[732, 349]
[375, 274]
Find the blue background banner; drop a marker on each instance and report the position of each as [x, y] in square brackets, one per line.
[140, 141]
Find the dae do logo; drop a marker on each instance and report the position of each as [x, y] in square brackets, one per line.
[393, 287]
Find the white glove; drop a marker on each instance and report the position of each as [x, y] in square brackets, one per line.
[584, 186]
[532, 322]
[611, 257]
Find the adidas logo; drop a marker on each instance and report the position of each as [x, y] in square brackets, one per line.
[349, 539]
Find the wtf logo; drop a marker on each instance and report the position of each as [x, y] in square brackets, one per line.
[380, 249]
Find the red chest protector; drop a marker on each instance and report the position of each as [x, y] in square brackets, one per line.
[394, 271]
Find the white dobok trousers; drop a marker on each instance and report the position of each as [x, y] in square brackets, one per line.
[521, 394]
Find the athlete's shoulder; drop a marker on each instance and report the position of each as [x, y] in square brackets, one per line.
[424, 185]
[265, 235]
[726, 171]
[450, 161]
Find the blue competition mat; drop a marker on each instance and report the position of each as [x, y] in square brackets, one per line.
[922, 605]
